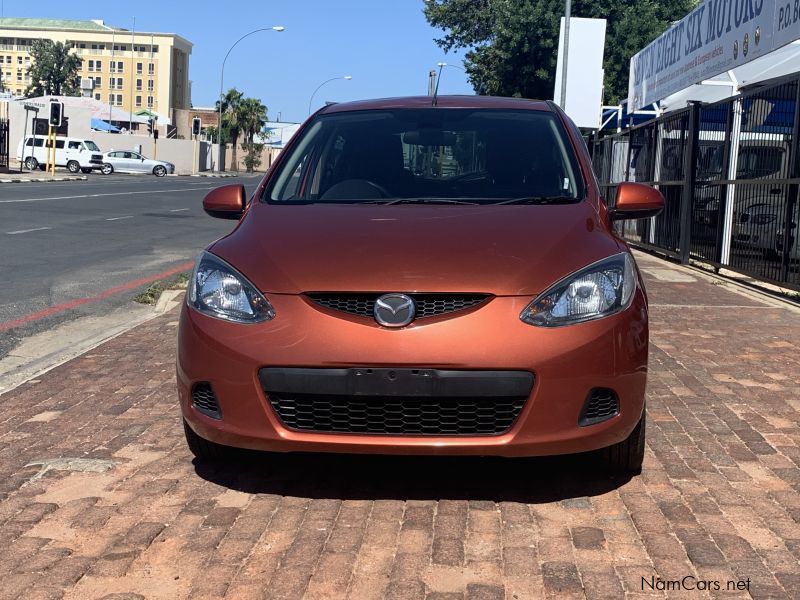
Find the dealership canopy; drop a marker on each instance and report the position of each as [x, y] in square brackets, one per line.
[717, 37]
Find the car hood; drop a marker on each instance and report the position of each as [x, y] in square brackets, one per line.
[500, 250]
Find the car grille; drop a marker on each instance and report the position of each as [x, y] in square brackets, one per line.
[205, 401]
[427, 305]
[97, 157]
[393, 415]
[602, 404]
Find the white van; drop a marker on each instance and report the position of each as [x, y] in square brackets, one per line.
[73, 153]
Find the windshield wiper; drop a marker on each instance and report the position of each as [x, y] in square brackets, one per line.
[539, 200]
[429, 201]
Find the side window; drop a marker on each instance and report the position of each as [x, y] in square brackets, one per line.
[128, 155]
[74, 145]
[59, 144]
[29, 142]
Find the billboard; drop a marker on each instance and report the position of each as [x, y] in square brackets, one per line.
[587, 38]
[715, 37]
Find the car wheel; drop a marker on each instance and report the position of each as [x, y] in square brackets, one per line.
[106, 169]
[159, 171]
[85, 170]
[31, 163]
[201, 447]
[73, 166]
[627, 456]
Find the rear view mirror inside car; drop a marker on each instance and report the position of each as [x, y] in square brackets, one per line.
[429, 137]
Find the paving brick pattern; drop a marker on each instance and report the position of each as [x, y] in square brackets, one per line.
[718, 501]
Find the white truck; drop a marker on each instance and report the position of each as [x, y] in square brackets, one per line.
[76, 154]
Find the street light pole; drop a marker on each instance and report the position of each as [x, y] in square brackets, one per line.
[567, 15]
[345, 77]
[277, 28]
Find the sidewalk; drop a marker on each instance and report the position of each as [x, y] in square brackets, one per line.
[718, 501]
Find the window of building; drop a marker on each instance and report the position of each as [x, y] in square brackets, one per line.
[111, 83]
[119, 99]
[98, 64]
[119, 83]
[19, 60]
[119, 67]
[97, 97]
[150, 85]
[138, 100]
[98, 82]
[8, 59]
[19, 76]
[138, 85]
[91, 65]
[151, 69]
[139, 68]
[149, 102]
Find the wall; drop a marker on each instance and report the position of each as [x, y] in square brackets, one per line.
[178, 152]
[268, 156]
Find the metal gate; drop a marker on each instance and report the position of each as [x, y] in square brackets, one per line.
[729, 172]
[4, 144]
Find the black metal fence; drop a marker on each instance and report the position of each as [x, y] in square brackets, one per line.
[4, 143]
[729, 172]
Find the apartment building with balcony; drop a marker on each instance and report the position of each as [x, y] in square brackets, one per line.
[133, 70]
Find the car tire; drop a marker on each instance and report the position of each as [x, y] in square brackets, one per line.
[73, 166]
[31, 163]
[106, 169]
[627, 456]
[159, 171]
[201, 448]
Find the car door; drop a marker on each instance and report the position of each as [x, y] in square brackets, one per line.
[137, 162]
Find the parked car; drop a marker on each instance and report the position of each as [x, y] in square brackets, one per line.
[127, 161]
[76, 154]
[371, 301]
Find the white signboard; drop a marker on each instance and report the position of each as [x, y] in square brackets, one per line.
[587, 38]
[716, 36]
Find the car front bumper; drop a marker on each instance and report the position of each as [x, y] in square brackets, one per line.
[240, 361]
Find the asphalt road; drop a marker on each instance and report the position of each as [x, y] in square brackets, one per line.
[78, 248]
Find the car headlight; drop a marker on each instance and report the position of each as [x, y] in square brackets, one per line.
[601, 289]
[218, 290]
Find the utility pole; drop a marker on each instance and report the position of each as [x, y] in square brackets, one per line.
[130, 106]
[565, 57]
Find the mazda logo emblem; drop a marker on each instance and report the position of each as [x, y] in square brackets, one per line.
[394, 310]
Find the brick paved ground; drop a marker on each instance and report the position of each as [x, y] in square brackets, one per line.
[719, 498]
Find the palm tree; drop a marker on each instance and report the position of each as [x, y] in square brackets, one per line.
[231, 121]
[252, 118]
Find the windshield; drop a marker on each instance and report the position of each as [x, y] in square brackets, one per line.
[432, 154]
[91, 146]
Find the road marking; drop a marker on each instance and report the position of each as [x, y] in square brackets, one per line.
[106, 194]
[119, 218]
[59, 308]
[178, 209]
[27, 230]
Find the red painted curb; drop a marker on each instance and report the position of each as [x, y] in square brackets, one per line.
[59, 308]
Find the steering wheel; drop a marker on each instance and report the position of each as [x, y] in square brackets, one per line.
[355, 189]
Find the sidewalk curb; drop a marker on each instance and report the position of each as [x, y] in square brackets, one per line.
[44, 179]
[16, 369]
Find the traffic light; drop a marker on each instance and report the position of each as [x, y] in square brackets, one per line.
[196, 126]
[149, 126]
[56, 112]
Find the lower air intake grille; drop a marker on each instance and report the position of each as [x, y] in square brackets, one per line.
[427, 305]
[602, 404]
[205, 401]
[395, 415]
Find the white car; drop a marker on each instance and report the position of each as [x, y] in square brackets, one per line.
[75, 154]
[127, 161]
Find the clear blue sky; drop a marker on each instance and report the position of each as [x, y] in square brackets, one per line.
[386, 45]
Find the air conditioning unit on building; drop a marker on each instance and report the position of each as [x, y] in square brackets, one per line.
[87, 86]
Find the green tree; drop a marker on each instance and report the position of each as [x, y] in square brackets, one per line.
[231, 121]
[252, 118]
[54, 70]
[513, 44]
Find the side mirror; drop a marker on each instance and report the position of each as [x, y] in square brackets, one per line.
[226, 202]
[636, 201]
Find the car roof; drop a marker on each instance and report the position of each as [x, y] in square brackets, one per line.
[491, 102]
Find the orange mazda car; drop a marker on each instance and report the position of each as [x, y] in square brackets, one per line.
[419, 276]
